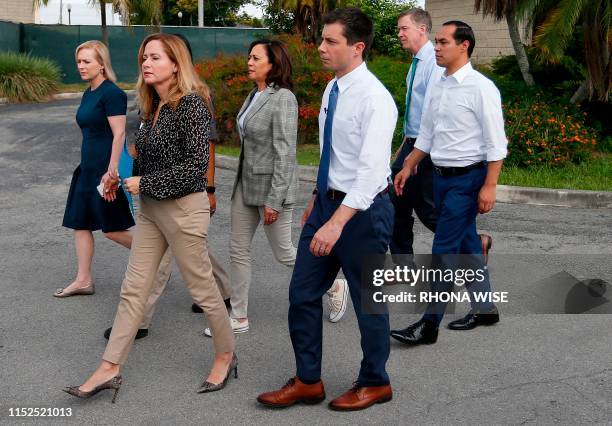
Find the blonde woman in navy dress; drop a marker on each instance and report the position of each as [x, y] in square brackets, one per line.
[101, 117]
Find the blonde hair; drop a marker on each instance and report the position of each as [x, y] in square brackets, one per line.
[102, 56]
[185, 80]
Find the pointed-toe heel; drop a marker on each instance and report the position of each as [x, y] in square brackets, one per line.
[114, 383]
[207, 386]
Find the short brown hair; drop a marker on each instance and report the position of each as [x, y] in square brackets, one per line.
[278, 56]
[358, 27]
[419, 16]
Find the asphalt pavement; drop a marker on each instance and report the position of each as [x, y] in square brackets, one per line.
[531, 368]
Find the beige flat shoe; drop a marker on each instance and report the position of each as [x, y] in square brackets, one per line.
[83, 291]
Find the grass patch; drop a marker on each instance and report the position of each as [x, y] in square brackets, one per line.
[25, 78]
[307, 154]
[595, 175]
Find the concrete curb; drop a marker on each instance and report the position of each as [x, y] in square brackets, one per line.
[62, 96]
[505, 193]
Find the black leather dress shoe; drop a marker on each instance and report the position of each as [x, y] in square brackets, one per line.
[421, 332]
[474, 319]
[197, 310]
[142, 332]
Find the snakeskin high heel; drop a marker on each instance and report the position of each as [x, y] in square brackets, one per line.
[206, 386]
[114, 383]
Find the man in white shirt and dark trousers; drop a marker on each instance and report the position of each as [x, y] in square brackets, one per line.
[349, 216]
[463, 132]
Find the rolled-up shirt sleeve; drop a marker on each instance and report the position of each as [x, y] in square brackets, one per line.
[425, 138]
[378, 125]
[496, 143]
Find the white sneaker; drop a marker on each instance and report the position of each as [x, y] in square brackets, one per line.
[237, 326]
[338, 295]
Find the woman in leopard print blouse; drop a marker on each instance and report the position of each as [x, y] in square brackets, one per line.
[172, 148]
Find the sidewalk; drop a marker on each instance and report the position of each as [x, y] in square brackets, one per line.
[505, 193]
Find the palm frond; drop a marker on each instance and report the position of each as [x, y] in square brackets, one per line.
[553, 36]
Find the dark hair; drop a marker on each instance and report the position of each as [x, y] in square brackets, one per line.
[462, 33]
[182, 37]
[278, 56]
[419, 16]
[357, 26]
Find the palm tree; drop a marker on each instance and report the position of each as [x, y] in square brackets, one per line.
[561, 20]
[500, 9]
[308, 14]
[149, 11]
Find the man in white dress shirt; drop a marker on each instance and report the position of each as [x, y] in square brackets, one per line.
[349, 216]
[463, 132]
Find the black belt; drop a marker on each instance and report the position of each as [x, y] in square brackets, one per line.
[334, 194]
[458, 171]
[409, 139]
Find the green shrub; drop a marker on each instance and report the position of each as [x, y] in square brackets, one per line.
[24, 78]
[541, 132]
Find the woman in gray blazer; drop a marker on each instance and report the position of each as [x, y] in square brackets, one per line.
[266, 182]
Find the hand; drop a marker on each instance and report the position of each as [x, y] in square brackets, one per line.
[400, 180]
[113, 170]
[414, 170]
[325, 239]
[270, 215]
[308, 210]
[486, 198]
[132, 184]
[212, 200]
[109, 187]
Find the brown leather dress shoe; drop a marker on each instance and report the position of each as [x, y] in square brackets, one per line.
[293, 392]
[487, 243]
[362, 397]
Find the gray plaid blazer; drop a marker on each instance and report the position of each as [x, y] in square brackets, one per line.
[268, 167]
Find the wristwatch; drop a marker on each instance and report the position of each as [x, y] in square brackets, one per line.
[210, 189]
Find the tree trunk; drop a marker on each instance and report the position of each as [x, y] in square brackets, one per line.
[103, 16]
[519, 49]
[581, 93]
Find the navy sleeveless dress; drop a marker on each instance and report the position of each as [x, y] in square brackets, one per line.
[85, 208]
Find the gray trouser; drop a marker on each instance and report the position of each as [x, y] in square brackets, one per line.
[244, 222]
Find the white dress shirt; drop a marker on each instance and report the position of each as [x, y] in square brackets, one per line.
[463, 122]
[363, 126]
[426, 69]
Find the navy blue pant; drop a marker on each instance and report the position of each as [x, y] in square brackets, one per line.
[368, 232]
[417, 197]
[456, 200]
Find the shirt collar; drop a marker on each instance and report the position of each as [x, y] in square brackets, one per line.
[424, 51]
[461, 73]
[354, 76]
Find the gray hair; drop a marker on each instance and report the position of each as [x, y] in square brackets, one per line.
[419, 16]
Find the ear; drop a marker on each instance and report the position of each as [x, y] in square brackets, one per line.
[465, 45]
[359, 48]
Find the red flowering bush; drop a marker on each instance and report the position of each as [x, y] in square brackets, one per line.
[546, 133]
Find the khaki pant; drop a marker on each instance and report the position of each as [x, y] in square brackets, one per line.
[163, 276]
[181, 224]
[245, 220]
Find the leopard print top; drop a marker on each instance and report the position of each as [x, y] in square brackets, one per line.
[173, 154]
